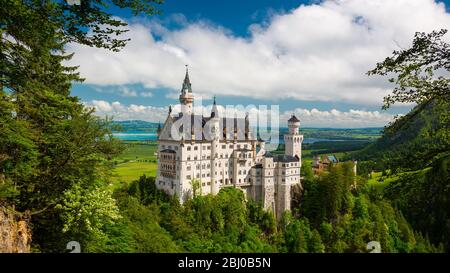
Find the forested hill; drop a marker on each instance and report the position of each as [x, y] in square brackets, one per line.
[412, 141]
[415, 147]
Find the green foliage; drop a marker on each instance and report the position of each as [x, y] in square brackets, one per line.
[423, 197]
[86, 211]
[55, 155]
[222, 223]
[347, 219]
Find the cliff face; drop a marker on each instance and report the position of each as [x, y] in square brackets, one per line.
[15, 233]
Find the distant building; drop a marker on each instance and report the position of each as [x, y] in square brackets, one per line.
[322, 162]
[232, 158]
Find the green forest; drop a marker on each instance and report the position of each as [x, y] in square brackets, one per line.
[58, 159]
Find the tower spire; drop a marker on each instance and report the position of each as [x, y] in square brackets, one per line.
[186, 83]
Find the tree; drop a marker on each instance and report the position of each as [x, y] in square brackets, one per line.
[52, 144]
[421, 77]
[417, 79]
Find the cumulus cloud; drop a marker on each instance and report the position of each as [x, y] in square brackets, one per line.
[314, 52]
[340, 119]
[308, 118]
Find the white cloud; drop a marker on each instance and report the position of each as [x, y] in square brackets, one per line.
[339, 119]
[146, 94]
[314, 52]
[308, 118]
[118, 111]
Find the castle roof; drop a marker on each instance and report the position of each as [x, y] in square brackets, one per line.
[293, 119]
[168, 151]
[285, 158]
[197, 120]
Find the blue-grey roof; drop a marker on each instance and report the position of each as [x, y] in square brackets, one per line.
[168, 151]
[332, 158]
[285, 158]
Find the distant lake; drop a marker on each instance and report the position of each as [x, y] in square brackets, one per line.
[141, 136]
[136, 136]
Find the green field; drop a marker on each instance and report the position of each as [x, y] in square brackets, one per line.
[138, 159]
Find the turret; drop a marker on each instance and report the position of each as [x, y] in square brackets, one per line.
[215, 136]
[293, 140]
[293, 124]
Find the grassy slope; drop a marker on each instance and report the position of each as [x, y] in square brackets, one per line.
[138, 159]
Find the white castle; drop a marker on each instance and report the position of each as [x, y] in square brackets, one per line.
[230, 157]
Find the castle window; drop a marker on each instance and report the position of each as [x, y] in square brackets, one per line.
[188, 177]
[195, 157]
[188, 168]
[231, 146]
[209, 147]
[224, 146]
[188, 148]
[198, 175]
[195, 148]
[203, 184]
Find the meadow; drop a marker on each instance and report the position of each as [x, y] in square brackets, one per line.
[138, 159]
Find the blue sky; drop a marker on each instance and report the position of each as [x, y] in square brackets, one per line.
[308, 57]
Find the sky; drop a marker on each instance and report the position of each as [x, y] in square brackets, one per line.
[306, 57]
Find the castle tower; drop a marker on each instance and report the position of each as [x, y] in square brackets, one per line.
[215, 134]
[186, 96]
[293, 140]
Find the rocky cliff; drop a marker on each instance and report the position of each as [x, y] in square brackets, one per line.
[15, 233]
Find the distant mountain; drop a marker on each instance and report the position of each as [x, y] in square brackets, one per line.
[134, 126]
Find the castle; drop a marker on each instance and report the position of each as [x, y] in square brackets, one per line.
[201, 155]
